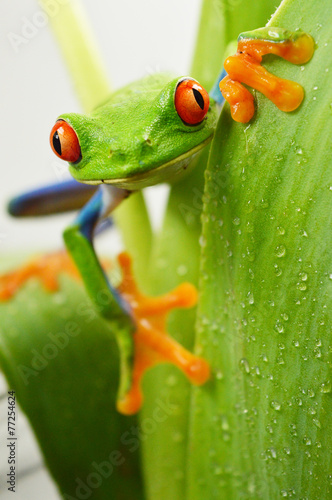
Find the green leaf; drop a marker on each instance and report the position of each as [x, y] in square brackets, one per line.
[175, 258]
[62, 361]
[262, 428]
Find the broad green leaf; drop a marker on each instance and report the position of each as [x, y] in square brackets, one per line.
[62, 361]
[175, 258]
[262, 427]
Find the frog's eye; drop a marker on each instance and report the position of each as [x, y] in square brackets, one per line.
[64, 142]
[191, 101]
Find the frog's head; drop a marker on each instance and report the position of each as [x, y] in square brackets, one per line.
[144, 134]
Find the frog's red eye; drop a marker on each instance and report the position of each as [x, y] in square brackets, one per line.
[64, 142]
[191, 101]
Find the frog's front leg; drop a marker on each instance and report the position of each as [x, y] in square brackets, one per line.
[110, 304]
[245, 67]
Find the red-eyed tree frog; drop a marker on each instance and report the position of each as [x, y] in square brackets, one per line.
[144, 134]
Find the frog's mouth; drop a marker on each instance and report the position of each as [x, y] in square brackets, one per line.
[164, 173]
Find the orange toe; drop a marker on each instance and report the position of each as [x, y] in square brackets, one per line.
[245, 67]
[152, 343]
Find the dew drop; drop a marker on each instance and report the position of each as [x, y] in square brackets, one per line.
[326, 387]
[307, 441]
[251, 299]
[244, 365]
[277, 270]
[293, 431]
[311, 393]
[317, 352]
[257, 371]
[301, 286]
[276, 405]
[224, 423]
[279, 327]
[202, 241]
[280, 251]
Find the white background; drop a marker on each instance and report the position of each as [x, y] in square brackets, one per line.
[135, 38]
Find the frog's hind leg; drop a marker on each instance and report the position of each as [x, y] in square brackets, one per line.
[137, 321]
[55, 198]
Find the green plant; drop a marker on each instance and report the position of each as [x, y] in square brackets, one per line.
[261, 427]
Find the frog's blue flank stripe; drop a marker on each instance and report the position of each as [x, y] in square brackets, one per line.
[55, 198]
[215, 93]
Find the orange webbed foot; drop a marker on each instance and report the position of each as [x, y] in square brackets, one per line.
[45, 268]
[152, 343]
[245, 67]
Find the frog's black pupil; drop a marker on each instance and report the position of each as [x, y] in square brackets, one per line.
[57, 143]
[199, 98]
